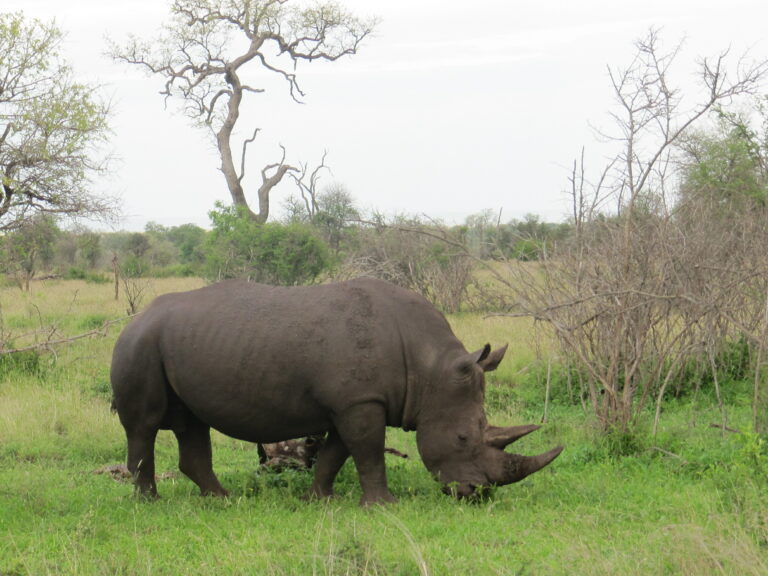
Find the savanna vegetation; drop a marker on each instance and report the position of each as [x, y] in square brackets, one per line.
[638, 331]
[691, 500]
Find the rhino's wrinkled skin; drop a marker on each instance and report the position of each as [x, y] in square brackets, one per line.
[266, 364]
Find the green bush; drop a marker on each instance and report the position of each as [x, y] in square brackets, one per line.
[733, 359]
[527, 250]
[620, 442]
[87, 275]
[732, 362]
[273, 253]
[567, 385]
[133, 266]
[75, 274]
[175, 271]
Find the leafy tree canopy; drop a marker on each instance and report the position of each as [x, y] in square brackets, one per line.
[51, 127]
[727, 165]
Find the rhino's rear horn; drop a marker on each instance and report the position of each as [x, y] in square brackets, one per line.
[518, 467]
[501, 436]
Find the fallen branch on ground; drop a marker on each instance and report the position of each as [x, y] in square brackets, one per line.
[51, 341]
[726, 428]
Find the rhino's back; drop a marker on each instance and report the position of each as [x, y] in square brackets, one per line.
[338, 318]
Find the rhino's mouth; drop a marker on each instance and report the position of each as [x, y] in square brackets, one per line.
[471, 492]
[460, 491]
[467, 490]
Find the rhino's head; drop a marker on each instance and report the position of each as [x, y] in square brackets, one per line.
[455, 441]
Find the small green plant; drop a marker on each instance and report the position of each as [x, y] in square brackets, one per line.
[92, 321]
[15, 571]
[102, 389]
[619, 442]
[24, 362]
[500, 397]
[732, 362]
[354, 557]
[753, 452]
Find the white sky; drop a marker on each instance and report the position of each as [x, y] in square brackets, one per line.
[452, 108]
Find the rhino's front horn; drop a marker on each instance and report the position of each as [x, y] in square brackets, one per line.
[517, 467]
[501, 436]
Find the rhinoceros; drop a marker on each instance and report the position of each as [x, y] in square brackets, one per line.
[264, 364]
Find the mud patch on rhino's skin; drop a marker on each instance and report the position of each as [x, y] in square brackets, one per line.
[361, 319]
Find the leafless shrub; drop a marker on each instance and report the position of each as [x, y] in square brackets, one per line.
[135, 286]
[135, 290]
[648, 281]
[421, 257]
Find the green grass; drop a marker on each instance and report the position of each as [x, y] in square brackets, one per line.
[690, 501]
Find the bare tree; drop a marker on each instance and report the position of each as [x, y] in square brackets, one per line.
[625, 296]
[308, 184]
[423, 256]
[209, 44]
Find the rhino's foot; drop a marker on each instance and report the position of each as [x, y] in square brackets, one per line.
[148, 495]
[383, 497]
[315, 493]
[217, 493]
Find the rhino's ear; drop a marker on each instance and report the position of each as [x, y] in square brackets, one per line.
[480, 356]
[491, 360]
[466, 362]
[485, 358]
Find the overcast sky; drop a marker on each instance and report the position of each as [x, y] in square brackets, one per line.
[450, 109]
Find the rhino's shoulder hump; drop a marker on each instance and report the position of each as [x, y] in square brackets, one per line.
[384, 289]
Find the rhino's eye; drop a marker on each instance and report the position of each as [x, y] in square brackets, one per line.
[462, 437]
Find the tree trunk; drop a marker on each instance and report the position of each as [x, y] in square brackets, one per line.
[224, 144]
[116, 270]
[223, 138]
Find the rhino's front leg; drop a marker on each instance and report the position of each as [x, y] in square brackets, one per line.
[331, 458]
[362, 429]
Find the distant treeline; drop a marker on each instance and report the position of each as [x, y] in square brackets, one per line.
[336, 242]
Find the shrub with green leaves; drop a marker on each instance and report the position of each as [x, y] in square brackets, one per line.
[75, 273]
[272, 253]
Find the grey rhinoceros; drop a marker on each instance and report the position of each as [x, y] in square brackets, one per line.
[264, 364]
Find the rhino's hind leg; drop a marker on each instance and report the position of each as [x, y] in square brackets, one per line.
[195, 456]
[141, 461]
[331, 458]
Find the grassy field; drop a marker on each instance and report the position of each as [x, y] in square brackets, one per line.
[690, 501]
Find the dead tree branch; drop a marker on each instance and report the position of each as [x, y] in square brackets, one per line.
[53, 340]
